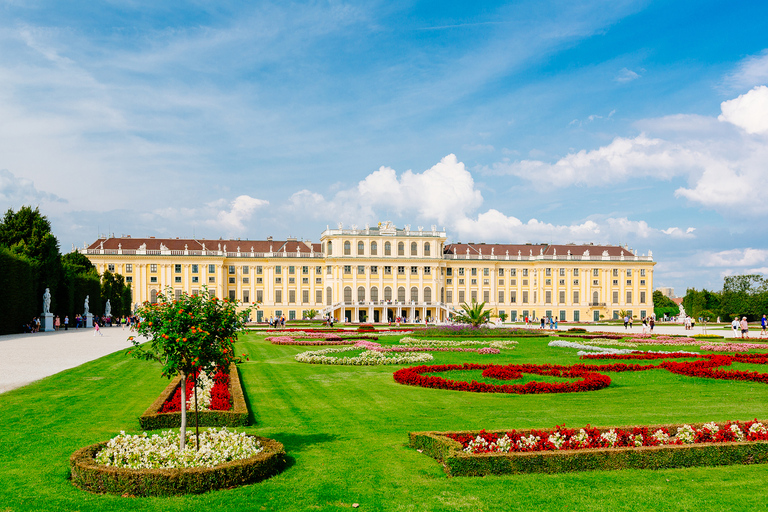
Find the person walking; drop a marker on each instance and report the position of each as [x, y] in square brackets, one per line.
[651, 323]
[744, 327]
[66, 323]
[764, 325]
[57, 323]
[96, 329]
[735, 327]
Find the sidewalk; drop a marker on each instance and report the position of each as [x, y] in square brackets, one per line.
[25, 358]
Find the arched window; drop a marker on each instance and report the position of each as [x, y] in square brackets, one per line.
[330, 248]
[360, 248]
[360, 294]
[374, 294]
[414, 294]
[374, 249]
[387, 249]
[426, 249]
[347, 294]
[401, 294]
[153, 296]
[387, 293]
[427, 294]
[595, 297]
[322, 248]
[414, 248]
[401, 249]
[328, 296]
[347, 248]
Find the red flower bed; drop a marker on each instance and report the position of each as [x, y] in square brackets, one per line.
[589, 381]
[221, 400]
[705, 365]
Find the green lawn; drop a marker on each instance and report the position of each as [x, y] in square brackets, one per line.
[345, 430]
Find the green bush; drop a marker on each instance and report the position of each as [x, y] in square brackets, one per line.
[237, 417]
[88, 475]
[17, 280]
[458, 463]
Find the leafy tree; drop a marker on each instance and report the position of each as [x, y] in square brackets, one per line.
[503, 317]
[186, 335]
[474, 314]
[662, 301]
[78, 262]
[312, 313]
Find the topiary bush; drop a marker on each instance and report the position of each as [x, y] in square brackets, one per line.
[86, 474]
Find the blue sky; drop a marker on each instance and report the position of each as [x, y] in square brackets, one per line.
[639, 123]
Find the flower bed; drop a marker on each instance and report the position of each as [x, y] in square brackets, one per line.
[452, 331]
[588, 380]
[733, 347]
[237, 415]
[507, 344]
[212, 394]
[317, 338]
[564, 450]
[366, 358]
[88, 474]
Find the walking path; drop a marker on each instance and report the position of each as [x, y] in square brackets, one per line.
[25, 358]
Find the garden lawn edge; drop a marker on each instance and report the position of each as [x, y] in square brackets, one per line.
[88, 475]
[152, 419]
[456, 462]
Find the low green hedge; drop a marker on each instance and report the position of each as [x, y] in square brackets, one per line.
[237, 417]
[86, 474]
[458, 463]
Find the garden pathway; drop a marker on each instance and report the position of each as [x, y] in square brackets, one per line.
[25, 358]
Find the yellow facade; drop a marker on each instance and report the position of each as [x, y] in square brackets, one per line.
[378, 274]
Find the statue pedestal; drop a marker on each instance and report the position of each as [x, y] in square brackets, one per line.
[89, 320]
[46, 322]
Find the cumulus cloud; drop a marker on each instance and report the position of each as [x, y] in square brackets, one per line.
[748, 257]
[749, 111]
[240, 211]
[16, 191]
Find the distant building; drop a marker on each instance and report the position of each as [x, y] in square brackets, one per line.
[377, 274]
[666, 291]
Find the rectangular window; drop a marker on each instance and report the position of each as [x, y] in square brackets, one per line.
[501, 282]
[642, 282]
[211, 279]
[615, 297]
[629, 272]
[629, 296]
[449, 281]
[153, 267]
[615, 272]
[177, 268]
[576, 316]
[525, 272]
[562, 272]
[401, 270]
[195, 268]
[596, 272]
[231, 269]
[615, 282]
[513, 282]
[486, 272]
[548, 272]
[292, 315]
[595, 282]
[513, 297]
[461, 271]
[473, 294]
[304, 280]
[232, 295]
[576, 282]
[328, 270]
[259, 298]
[360, 270]
[485, 281]
[347, 269]
[642, 297]
[461, 281]
[246, 280]
[576, 296]
[474, 271]
[305, 270]
[525, 282]
[259, 270]
[501, 272]
[153, 279]
[525, 297]
[231, 280]
[575, 272]
[278, 269]
[562, 315]
[259, 280]
[449, 271]
[562, 282]
[318, 270]
[501, 300]
[195, 279]
[246, 299]
[278, 280]
[374, 269]
[561, 296]
[128, 279]
[486, 296]
[291, 280]
[449, 296]
[177, 279]
[387, 271]
[245, 269]
[291, 296]
[211, 269]
[474, 281]
[513, 272]
[629, 282]
[642, 272]
[548, 297]
[111, 267]
[291, 269]
[414, 270]
[548, 282]
[177, 293]
[129, 267]
[461, 297]
[318, 299]
[428, 270]
[304, 299]
[318, 280]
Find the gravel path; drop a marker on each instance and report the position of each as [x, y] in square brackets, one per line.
[25, 358]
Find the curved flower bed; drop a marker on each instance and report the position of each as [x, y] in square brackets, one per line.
[499, 344]
[92, 476]
[589, 448]
[733, 347]
[588, 380]
[317, 338]
[367, 358]
[379, 348]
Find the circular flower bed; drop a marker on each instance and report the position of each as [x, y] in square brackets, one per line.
[588, 380]
[89, 474]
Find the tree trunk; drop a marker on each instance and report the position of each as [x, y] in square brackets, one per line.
[197, 414]
[183, 432]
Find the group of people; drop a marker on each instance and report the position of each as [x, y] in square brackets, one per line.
[742, 326]
[277, 322]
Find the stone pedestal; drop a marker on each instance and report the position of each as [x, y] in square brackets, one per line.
[89, 320]
[46, 322]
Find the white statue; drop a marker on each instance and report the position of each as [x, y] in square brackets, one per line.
[108, 309]
[85, 305]
[47, 301]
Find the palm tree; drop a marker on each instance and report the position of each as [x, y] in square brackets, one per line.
[474, 314]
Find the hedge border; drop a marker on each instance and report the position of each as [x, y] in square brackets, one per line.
[152, 419]
[456, 462]
[87, 475]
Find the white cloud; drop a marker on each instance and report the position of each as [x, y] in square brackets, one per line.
[240, 210]
[15, 192]
[626, 75]
[749, 111]
[750, 72]
[748, 257]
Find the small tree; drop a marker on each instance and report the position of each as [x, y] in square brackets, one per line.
[503, 317]
[474, 314]
[311, 314]
[186, 335]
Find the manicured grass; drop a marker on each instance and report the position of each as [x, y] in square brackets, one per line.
[345, 430]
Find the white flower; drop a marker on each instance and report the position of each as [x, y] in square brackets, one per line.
[686, 434]
[611, 437]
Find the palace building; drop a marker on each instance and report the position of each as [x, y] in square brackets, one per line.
[377, 274]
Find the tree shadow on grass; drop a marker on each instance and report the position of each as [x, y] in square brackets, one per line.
[298, 442]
